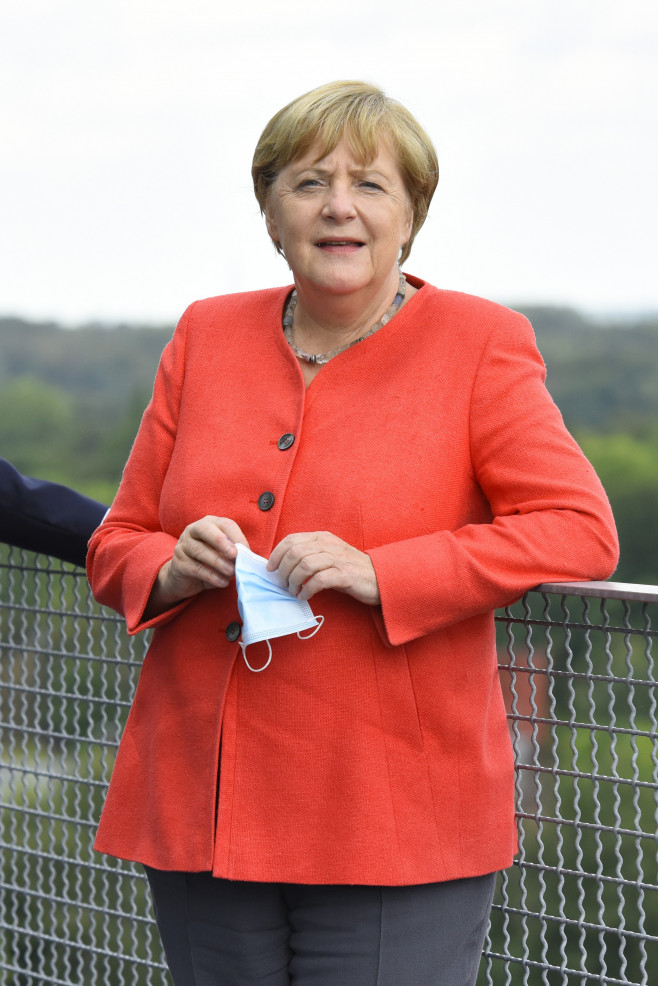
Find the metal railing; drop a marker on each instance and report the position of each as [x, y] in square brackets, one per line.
[579, 906]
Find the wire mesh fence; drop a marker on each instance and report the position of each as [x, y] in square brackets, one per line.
[581, 903]
[579, 906]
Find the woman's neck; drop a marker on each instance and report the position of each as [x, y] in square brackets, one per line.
[324, 322]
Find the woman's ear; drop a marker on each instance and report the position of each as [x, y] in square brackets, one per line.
[271, 224]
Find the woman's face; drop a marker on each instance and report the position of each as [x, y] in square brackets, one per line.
[340, 223]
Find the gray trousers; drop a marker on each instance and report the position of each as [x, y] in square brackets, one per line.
[230, 933]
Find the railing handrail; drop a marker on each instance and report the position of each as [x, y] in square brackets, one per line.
[603, 590]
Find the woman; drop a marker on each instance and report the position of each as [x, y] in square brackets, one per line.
[390, 449]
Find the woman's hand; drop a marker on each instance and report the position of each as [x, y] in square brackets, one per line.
[204, 558]
[316, 561]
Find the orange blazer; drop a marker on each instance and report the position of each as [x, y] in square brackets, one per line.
[376, 752]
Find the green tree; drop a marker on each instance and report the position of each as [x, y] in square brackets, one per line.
[628, 468]
[36, 425]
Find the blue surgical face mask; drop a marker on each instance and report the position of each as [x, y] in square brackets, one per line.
[266, 607]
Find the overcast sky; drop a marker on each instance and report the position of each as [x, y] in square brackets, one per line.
[128, 127]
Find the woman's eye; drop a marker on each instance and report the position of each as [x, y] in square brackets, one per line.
[371, 185]
[309, 183]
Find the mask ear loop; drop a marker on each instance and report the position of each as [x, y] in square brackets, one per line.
[244, 654]
[314, 630]
[307, 636]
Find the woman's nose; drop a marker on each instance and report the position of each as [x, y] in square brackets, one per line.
[339, 204]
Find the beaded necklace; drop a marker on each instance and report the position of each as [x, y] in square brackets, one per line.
[321, 358]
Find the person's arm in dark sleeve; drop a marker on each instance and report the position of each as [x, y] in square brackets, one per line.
[46, 517]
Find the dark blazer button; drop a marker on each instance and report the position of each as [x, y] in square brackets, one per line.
[233, 631]
[286, 441]
[266, 501]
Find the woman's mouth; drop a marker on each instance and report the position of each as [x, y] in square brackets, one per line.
[339, 246]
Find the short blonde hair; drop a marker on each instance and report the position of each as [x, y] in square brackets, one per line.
[362, 114]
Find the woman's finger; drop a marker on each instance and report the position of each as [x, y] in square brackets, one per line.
[311, 562]
[276, 560]
[219, 533]
[204, 557]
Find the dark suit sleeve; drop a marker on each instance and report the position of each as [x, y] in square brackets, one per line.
[46, 517]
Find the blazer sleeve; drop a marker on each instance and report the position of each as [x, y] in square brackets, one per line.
[551, 519]
[127, 552]
[46, 517]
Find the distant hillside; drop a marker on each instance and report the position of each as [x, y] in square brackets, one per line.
[104, 364]
[603, 376]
